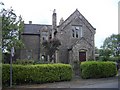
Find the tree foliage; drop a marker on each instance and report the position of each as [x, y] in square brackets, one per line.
[112, 45]
[51, 46]
[104, 54]
[12, 26]
[96, 50]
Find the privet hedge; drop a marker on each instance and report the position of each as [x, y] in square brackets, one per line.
[36, 73]
[94, 69]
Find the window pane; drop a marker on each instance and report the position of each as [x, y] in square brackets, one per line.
[73, 33]
[77, 28]
[77, 31]
[76, 34]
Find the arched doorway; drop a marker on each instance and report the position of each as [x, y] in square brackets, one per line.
[82, 55]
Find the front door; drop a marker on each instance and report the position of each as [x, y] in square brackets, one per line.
[82, 56]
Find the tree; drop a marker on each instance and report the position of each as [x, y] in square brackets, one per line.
[12, 26]
[112, 44]
[96, 50]
[104, 54]
[50, 47]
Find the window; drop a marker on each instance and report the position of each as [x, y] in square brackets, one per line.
[50, 36]
[43, 38]
[77, 27]
[77, 31]
[73, 33]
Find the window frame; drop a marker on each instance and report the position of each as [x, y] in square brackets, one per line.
[77, 31]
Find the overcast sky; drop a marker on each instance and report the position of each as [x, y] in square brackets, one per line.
[102, 14]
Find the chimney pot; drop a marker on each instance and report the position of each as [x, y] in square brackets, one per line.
[30, 22]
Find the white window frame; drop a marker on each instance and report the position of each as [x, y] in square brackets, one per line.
[77, 31]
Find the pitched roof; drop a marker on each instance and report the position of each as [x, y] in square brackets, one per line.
[35, 28]
[75, 14]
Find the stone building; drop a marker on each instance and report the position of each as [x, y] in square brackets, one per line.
[76, 35]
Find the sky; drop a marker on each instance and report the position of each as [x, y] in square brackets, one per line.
[102, 14]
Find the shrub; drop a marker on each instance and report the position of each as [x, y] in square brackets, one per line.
[114, 59]
[41, 73]
[94, 69]
[24, 62]
[104, 58]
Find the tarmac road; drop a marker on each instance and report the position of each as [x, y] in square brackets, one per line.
[111, 82]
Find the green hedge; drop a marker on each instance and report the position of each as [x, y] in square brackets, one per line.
[94, 69]
[24, 62]
[41, 73]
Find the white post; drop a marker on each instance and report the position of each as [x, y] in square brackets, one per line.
[12, 54]
[56, 56]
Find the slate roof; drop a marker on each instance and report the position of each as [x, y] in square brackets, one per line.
[35, 28]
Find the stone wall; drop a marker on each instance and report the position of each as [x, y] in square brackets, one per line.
[65, 36]
[70, 46]
[82, 45]
[31, 44]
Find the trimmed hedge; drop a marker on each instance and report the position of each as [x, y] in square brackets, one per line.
[24, 62]
[41, 73]
[94, 69]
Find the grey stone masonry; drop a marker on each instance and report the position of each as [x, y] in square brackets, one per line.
[75, 44]
[75, 33]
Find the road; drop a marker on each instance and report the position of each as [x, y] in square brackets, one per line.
[111, 82]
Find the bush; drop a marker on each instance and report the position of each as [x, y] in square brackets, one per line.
[41, 73]
[114, 59]
[24, 62]
[94, 69]
[104, 58]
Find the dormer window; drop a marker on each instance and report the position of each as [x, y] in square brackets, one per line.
[44, 35]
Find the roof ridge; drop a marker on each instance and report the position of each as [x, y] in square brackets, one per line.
[39, 24]
[69, 17]
[78, 16]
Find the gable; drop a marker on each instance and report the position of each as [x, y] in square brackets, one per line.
[82, 44]
[79, 16]
[83, 40]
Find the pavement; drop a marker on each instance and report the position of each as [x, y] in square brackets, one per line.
[102, 85]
